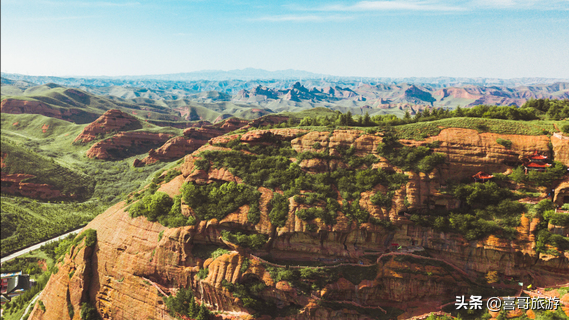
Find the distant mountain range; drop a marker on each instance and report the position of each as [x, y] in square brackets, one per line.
[250, 77]
[176, 104]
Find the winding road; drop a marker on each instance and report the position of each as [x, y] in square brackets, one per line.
[36, 246]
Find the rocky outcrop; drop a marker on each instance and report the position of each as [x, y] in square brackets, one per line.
[14, 184]
[111, 121]
[68, 288]
[560, 144]
[174, 148]
[125, 144]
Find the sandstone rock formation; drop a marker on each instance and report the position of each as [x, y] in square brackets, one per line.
[125, 144]
[111, 121]
[14, 184]
[136, 261]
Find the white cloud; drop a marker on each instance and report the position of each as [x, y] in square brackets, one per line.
[303, 18]
[97, 4]
[522, 4]
[385, 5]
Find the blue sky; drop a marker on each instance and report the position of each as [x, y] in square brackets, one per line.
[390, 38]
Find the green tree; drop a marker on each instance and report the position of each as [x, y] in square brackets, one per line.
[160, 203]
[279, 210]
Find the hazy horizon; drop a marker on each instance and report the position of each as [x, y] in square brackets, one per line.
[502, 39]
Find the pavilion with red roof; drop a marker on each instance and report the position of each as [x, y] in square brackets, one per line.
[536, 162]
[482, 177]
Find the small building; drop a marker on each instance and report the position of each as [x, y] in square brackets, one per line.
[13, 285]
[482, 177]
[536, 157]
[536, 162]
[534, 166]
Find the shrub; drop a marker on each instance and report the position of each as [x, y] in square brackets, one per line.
[158, 204]
[482, 194]
[418, 159]
[88, 312]
[219, 252]
[565, 128]
[90, 237]
[383, 200]
[253, 241]
[202, 274]
[310, 213]
[171, 175]
[504, 142]
[353, 211]
[546, 178]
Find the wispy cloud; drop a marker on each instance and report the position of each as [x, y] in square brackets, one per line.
[522, 4]
[92, 4]
[386, 5]
[435, 5]
[47, 19]
[304, 18]
[395, 5]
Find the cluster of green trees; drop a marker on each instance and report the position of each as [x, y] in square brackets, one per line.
[28, 265]
[217, 200]
[418, 159]
[253, 241]
[550, 108]
[250, 292]
[26, 221]
[544, 179]
[531, 110]
[545, 210]
[269, 168]
[486, 209]
[184, 304]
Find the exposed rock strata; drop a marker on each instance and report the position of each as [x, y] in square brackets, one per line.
[133, 263]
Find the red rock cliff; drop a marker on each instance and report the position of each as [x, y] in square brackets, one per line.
[135, 261]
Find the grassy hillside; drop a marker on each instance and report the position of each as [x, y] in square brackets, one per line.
[54, 159]
[46, 170]
[419, 130]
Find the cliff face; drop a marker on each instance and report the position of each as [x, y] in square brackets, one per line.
[74, 277]
[136, 261]
[469, 151]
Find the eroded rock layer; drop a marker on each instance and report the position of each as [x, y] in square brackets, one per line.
[136, 261]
